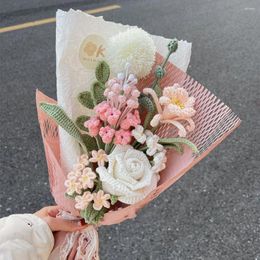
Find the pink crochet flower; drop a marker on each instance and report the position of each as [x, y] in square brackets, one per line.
[107, 134]
[93, 125]
[132, 103]
[101, 110]
[113, 115]
[132, 119]
[123, 137]
[174, 107]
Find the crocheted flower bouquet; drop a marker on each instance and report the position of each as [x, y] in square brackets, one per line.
[144, 124]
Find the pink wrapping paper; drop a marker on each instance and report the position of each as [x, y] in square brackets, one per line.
[214, 122]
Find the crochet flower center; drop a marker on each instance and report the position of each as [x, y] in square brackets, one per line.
[177, 102]
[85, 178]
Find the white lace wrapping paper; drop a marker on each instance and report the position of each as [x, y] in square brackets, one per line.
[72, 28]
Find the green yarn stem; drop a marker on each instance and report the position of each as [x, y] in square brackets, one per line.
[163, 65]
[144, 148]
[100, 144]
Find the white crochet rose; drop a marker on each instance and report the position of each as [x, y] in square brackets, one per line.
[129, 175]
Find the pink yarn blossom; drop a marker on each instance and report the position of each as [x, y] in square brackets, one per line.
[123, 137]
[107, 133]
[132, 103]
[135, 93]
[93, 125]
[122, 89]
[113, 115]
[132, 119]
[101, 110]
[116, 88]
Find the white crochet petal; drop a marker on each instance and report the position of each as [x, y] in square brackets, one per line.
[139, 195]
[111, 185]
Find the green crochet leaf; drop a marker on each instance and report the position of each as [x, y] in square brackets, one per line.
[98, 89]
[148, 118]
[113, 199]
[80, 122]
[176, 146]
[86, 100]
[90, 142]
[102, 72]
[158, 90]
[179, 140]
[146, 103]
[100, 215]
[87, 213]
[60, 117]
[71, 196]
[92, 216]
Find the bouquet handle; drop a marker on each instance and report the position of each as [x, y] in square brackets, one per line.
[79, 245]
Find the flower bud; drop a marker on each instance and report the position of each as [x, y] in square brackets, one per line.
[173, 45]
[159, 72]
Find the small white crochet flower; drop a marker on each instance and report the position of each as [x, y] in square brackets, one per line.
[73, 186]
[87, 178]
[84, 159]
[78, 167]
[148, 133]
[73, 175]
[83, 201]
[138, 134]
[153, 145]
[134, 46]
[101, 200]
[159, 161]
[99, 157]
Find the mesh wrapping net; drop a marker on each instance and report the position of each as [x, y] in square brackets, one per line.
[214, 122]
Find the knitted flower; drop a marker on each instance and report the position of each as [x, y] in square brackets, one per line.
[153, 145]
[174, 107]
[159, 161]
[128, 175]
[87, 178]
[99, 157]
[78, 166]
[82, 202]
[101, 200]
[83, 159]
[73, 186]
[176, 102]
[132, 119]
[123, 137]
[74, 175]
[93, 125]
[132, 103]
[107, 133]
[138, 134]
[112, 115]
[134, 46]
[101, 110]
